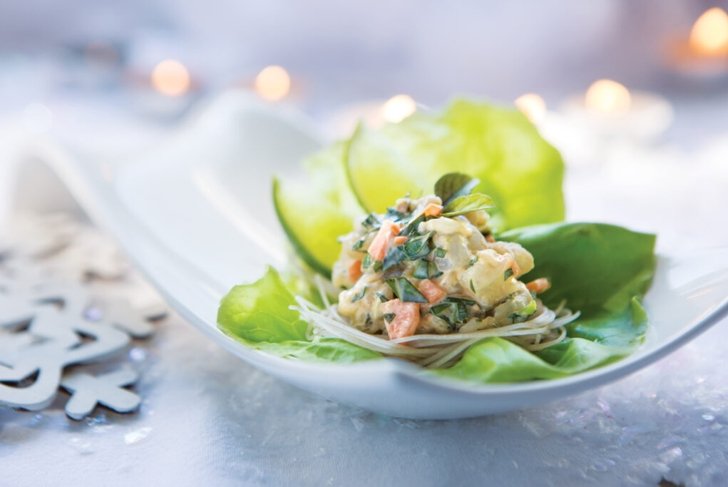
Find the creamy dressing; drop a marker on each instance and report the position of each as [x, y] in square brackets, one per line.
[479, 277]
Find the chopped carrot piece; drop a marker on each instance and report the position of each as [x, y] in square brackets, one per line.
[406, 318]
[355, 270]
[432, 209]
[431, 290]
[383, 239]
[400, 240]
[539, 285]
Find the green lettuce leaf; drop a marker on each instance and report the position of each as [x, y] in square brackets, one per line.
[600, 270]
[259, 315]
[594, 266]
[520, 170]
[497, 360]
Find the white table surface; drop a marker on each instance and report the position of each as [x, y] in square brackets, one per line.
[209, 419]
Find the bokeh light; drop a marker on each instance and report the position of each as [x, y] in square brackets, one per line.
[532, 105]
[709, 35]
[398, 108]
[171, 78]
[608, 96]
[273, 83]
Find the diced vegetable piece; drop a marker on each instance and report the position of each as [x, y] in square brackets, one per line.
[383, 239]
[405, 318]
[355, 270]
[539, 285]
[432, 291]
[433, 209]
[400, 240]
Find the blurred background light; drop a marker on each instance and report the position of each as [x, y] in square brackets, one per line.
[398, 108]
[709, 35]
[533, 106]
[273, 83]
[607, 96]
[171, 78]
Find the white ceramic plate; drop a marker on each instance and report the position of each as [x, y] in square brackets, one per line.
[196, 216]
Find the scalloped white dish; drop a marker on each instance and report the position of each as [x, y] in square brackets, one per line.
[196, 216]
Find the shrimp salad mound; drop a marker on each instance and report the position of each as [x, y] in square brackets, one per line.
[429, 274]
[414, 270]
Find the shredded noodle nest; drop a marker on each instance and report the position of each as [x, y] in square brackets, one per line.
[545, 328]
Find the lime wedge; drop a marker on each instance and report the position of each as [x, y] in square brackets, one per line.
[317, 209]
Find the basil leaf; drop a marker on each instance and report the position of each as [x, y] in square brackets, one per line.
[454, 311]
[394, 256]
[433, 270]
[417, 247]
[411, 228]
[359, 244]
[371, 221]
[405, 290]
[467, 204]
[395, 215]
[453, 185]
[421, 270]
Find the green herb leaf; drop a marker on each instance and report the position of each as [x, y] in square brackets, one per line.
[417, 247]
[359, 296]
[377, 266]
[472, 261]
[433, 270]
[410, 228]
[472, 286]
[359, 244]
[366, 262]
[395, 215]
[421, 270]
[388, 317]
[405, 290]
[440, 252]
[371, 221]
[508, 273]
[395, 256]
[454, 311]
[454, 184]
[467, 204]
[382, 297]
